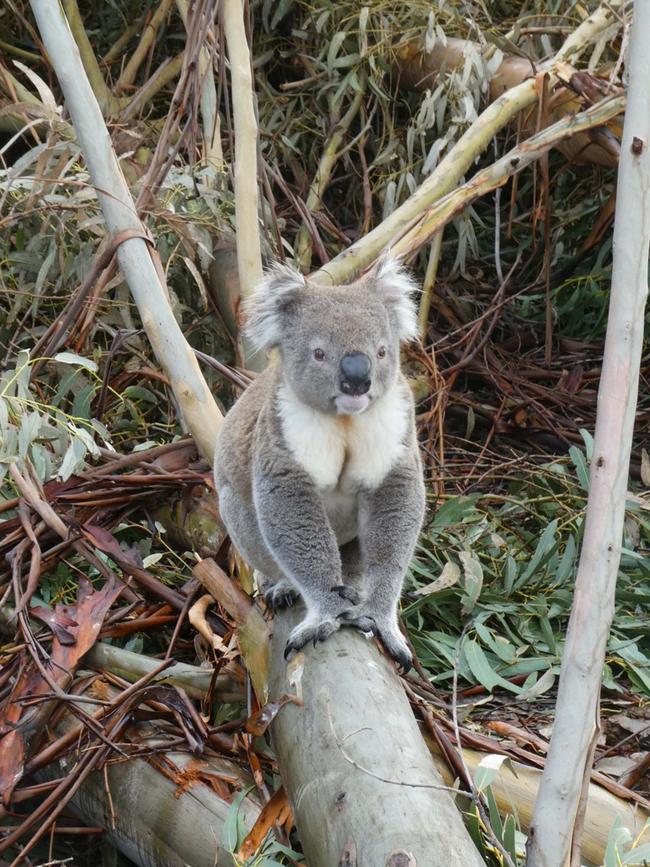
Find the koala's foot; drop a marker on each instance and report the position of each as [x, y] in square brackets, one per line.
[358, 620]
[281, 595]
[388, 633]
[312, 628]
[395, 645]
[348, 593]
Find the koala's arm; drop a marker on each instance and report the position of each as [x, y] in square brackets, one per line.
[297, 532]
[390, 518]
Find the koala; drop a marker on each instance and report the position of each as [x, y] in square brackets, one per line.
[317, 466]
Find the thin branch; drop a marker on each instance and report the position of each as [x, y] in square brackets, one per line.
[212, 150]
[446, 208]
[131, 69]
[249, 255]
[94, 73]
[328, 160]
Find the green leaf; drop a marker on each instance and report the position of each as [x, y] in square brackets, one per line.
[497, 643]
[509, 837]
[565, 566]
[639, 855]
[637, 662]
[618, 837]
[580, 463]
[453, 511]
[512, 570]
[335, 44]
[83, 401]
[73, 459]
[495, 816]
[233, 832]
[545, 548]
[488, 770]
[73, 358]
[482, 670]
[473, 580]
[589, 443]
[30, 426]
[138, 392]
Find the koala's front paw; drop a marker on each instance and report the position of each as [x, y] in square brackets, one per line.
[312, 629]
[281, 595]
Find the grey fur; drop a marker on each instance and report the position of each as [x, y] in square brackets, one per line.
[342, 542]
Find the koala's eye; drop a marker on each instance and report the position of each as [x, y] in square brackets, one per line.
[319, 355]
[381, 352]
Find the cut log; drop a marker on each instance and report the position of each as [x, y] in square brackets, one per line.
[515, 789]
[194, 680]
[161, 811]
[361, 781]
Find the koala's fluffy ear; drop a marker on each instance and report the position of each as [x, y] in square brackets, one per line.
[269, 300]
[396, 286]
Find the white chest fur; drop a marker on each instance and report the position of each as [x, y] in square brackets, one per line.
[346, 453]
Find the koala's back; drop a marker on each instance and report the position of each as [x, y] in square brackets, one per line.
[233, 456]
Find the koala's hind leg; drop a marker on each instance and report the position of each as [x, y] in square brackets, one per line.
[239, 518]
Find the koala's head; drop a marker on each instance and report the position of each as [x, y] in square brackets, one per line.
[339, 346]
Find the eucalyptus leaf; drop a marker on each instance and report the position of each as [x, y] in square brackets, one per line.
[488, 770]
[73, 358]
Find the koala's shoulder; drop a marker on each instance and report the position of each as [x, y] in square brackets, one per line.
[237, 436]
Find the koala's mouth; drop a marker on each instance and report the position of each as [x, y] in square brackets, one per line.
[351, 404]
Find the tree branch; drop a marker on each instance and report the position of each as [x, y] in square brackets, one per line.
[131, 69]
[249, 256]
[145, 279]
[459, 159]
[556, 810]
[497, 174]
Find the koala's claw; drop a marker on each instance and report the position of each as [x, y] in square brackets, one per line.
[280, 595]
[362, 622]
[348, 593]
[396, 647]
[306, 632]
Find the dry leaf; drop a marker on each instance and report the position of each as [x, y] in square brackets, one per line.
[277, 811]
[447, 578]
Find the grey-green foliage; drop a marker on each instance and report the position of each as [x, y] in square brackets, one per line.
[55, 440]
[516, 554]
[311, 60]
[53, 229]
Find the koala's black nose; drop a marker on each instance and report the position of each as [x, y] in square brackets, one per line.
[355, 373]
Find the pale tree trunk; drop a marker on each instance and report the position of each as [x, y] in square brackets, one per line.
[198, 407]
[557, 815]
[249, 257]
